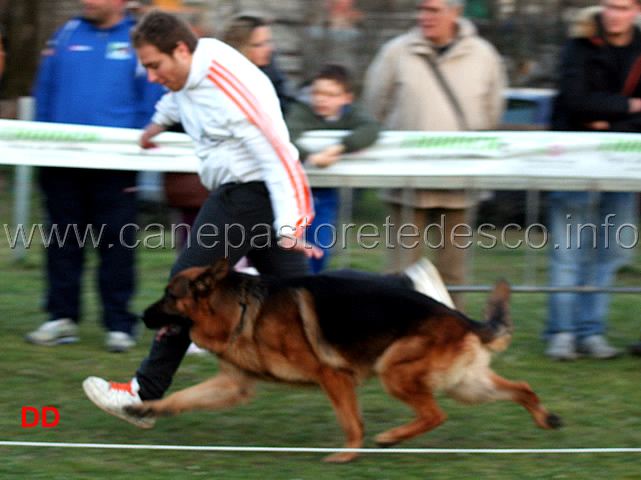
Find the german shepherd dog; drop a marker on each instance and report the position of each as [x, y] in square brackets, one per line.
[334, 332]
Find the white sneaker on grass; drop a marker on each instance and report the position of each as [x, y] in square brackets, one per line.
[55, 332]
[119, 342]
[196, 351]
[596, 346]
[561, 346]
[114, 397]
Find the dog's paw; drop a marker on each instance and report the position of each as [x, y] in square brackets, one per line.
[385, 440]
[342, 457]
[554, 421]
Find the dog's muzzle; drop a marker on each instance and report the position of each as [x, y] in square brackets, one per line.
[156, 316]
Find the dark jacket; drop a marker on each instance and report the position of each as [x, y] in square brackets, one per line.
[597, 79]
[280, 84]
[363, 129]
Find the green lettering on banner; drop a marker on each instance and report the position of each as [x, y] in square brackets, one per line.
[433, 142]
[47, 135]
[620, 146]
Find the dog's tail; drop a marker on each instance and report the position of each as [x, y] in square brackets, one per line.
[496, 331]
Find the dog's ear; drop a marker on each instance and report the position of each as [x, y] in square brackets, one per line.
[220, 268]
[204, 282]
[179, 287]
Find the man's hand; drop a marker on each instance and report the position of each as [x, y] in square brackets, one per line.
[598, 125]
[634, 105]
[300, 245]
[148, 133]
[327, 156]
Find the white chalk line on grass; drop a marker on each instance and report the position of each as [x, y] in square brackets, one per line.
[118, 446]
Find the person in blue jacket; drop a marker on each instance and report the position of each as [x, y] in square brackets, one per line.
[89, 75]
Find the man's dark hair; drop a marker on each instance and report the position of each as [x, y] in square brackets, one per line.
[163, 31]
[337, 73]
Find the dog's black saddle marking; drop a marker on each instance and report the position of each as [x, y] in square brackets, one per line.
[364, 315]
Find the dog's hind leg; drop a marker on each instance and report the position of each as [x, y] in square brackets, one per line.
[222, 391]
[522, 393]
[410, 388]
[340, 388]
[489, 387]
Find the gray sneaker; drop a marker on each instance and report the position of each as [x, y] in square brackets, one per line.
[63, 330]
[561, 346]
[119, 342]
[596, 346]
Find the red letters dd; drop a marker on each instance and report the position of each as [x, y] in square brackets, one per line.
[33, 410]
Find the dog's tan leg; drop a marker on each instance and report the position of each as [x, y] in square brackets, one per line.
[340, 388]
[412, 390]
[522, 393]
[222, 391]
[487, 386]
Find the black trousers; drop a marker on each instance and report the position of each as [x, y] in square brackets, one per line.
[95, 205]
[235, 221]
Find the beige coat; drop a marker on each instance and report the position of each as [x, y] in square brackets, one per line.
[402, 93]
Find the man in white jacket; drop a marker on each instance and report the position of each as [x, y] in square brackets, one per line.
[260, 202]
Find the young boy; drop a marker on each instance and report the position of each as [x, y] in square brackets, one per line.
[331, 108]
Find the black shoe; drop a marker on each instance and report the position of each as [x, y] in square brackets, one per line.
[635, 348]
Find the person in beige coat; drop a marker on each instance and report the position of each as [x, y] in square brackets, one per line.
[403, 92]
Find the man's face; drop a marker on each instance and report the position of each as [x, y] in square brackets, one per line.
[618, 16]
[437, 21]
[102, 13]
[170, 71]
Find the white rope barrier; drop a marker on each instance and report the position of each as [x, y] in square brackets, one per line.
[112, 446]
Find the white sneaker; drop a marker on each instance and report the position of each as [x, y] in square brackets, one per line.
[119, 342]
[427, 280]
[196, 351]
[63, 330]
[561, 346]
[596, 346]
[114, 397]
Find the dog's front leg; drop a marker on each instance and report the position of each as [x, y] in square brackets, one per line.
[340, 388]
[222, 391]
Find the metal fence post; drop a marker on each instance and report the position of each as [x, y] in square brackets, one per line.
[22, 181]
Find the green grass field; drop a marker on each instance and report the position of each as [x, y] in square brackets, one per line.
[598, 400]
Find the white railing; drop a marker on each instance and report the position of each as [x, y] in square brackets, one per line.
[505, 160]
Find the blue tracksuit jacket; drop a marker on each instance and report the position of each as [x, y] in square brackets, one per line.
[91, 76]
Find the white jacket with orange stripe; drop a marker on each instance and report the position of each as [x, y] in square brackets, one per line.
[230, 110]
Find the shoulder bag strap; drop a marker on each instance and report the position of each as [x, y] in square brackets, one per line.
[460, 116]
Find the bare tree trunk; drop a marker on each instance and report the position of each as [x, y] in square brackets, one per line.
[21, 45]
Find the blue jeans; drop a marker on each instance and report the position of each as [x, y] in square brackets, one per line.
[323, 232]
[589, 255]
